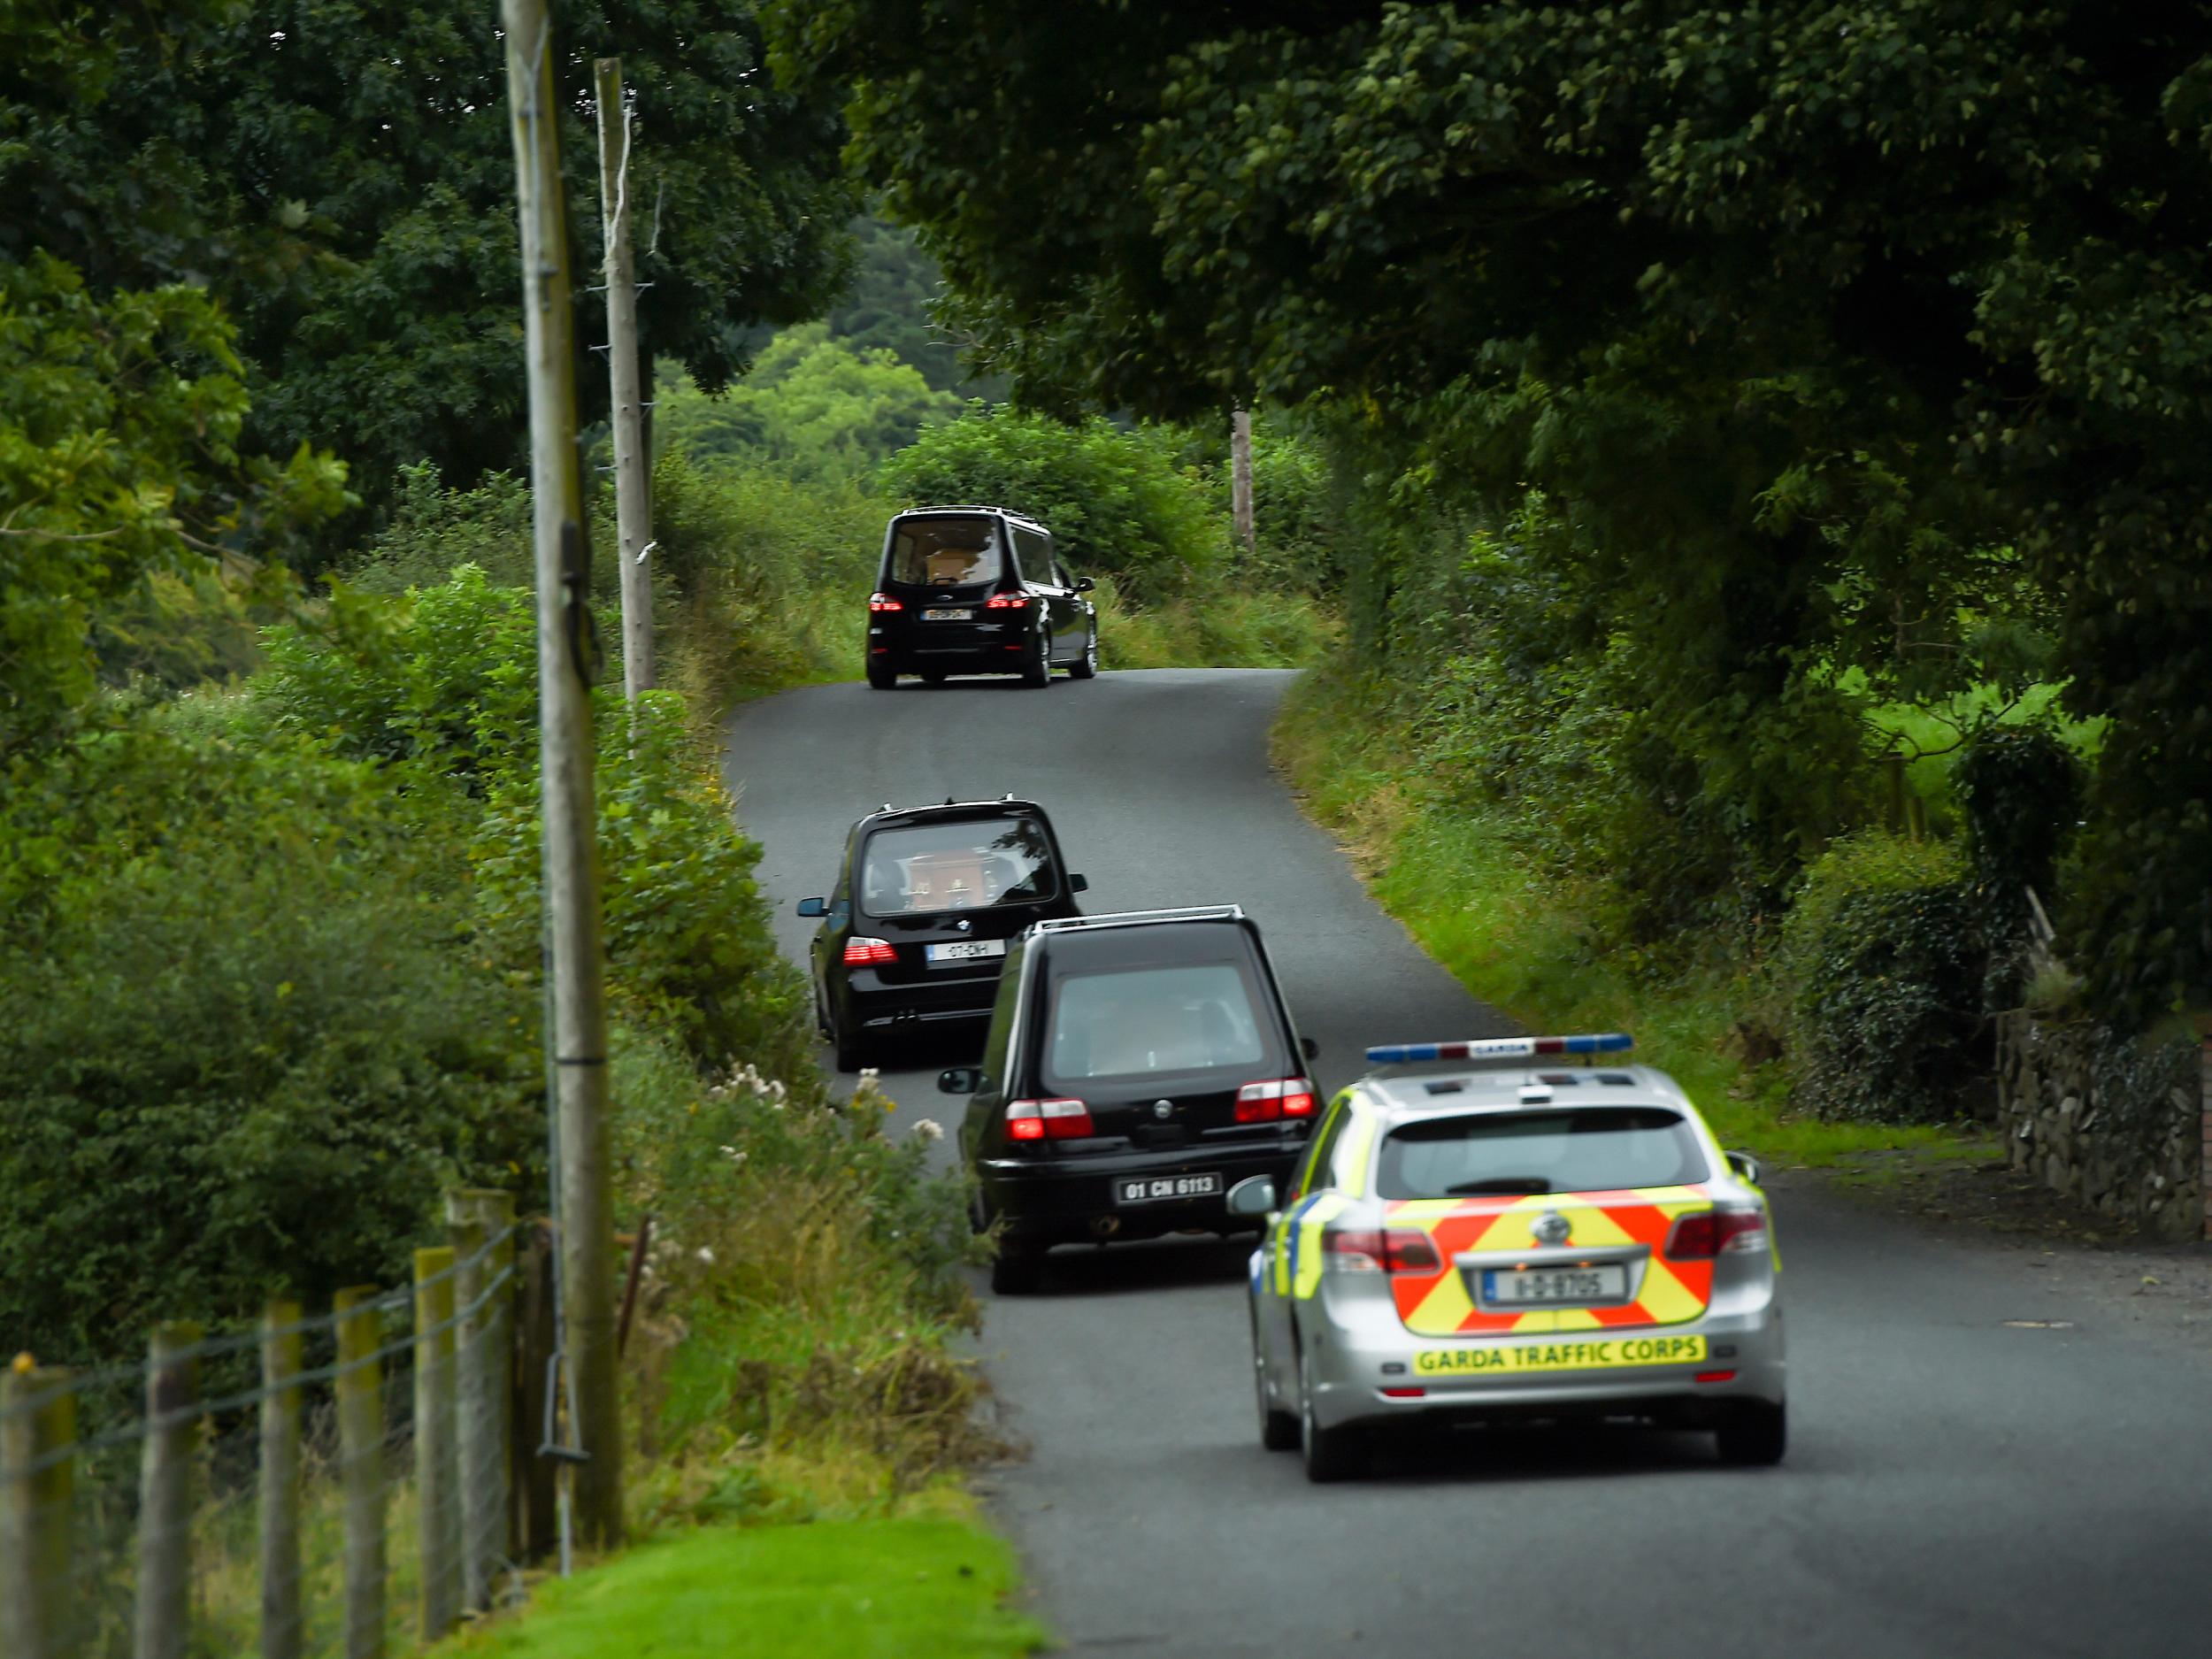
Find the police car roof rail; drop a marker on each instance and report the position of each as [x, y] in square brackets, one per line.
[1500, 1051]
[1135, 919]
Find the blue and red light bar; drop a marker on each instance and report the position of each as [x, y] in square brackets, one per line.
[1501, 1048]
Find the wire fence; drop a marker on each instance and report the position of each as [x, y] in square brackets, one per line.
[351, 1483]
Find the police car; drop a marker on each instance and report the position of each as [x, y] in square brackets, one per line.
[1486, 1231]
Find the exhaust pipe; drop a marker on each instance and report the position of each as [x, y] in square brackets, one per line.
[1104, 1227]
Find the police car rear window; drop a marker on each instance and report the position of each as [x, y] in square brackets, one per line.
[1559, 1150]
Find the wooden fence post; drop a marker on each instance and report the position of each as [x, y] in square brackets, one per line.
[38, 1422]
[281, 1346]
[473, 1219]
[537, 1522]
[165, 1494]
[437, 1489]
[361, 1468]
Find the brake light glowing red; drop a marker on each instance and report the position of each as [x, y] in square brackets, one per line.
[883, 601]
[1716, 1375]
[1404, 1393]
[1278, 1097]
[1730, 1230]
[1048, 1120]
[1377, 1250]
[1007, 602]
[861, 953]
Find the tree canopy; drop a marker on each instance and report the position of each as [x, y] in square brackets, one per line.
[1835, 332]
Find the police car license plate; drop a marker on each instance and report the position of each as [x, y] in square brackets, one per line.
[941, 614]
[966, 950]
[1150, 1189]
[1508, 1287]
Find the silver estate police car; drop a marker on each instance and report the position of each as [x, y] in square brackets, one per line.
[1511, 1236]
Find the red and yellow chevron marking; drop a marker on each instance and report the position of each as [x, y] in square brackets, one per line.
[1437, 1304]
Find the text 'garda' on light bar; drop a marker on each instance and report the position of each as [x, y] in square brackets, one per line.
[1499, 1048]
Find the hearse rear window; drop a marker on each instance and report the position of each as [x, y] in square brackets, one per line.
[964, 864]
[1188, 1018]
[945, 552]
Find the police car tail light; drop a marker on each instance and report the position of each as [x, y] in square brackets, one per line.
[861, 953]
[883, 601]
[1278, 1097]
[1379, 1250]
[1731, 1230]
[1048, 1120]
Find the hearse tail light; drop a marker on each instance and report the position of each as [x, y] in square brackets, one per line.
[1731, 1230]
[861, 953]
[1048, 1120]
[883, 601]
[1007, 602]
[1278, 1097]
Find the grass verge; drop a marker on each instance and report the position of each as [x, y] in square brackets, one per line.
[1515, 937]
[925, 1588]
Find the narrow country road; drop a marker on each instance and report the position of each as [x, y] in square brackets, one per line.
[1957, 1485]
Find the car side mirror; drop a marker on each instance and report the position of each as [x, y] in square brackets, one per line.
[1254, 1196]
[814, 907]
[1745, 1167]
[1084, 584]
[1309, 1048]
[1078, 884]
[960, 1079]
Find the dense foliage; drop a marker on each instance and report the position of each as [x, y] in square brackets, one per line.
[1839, 336]
[340, 175]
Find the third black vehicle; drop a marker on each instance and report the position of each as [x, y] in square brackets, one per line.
[977, 590]
[916, 931]
[1138, 1066]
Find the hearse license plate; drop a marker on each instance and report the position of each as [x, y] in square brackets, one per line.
[1510, 1287]
[967, 950]
[943, 615]
[1150, 1189]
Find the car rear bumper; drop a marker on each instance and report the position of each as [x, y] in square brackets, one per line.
[878, 1004]
[1742, 1358]
[1071, 1200]
[953, 648]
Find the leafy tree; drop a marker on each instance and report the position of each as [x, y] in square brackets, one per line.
[1795, 312]
[1113, 501]
[812, 402]
[120, 460]
[341, 173]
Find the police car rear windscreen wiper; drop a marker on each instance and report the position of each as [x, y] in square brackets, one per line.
[1501, 1184]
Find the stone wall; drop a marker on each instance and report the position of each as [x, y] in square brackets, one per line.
[2125, 1129]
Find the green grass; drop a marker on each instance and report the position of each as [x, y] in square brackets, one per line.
[1515, 938]
[902, 1589]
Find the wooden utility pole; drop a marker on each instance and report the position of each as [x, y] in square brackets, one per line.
[577, 1038]
[632, 506]
[1240, 476]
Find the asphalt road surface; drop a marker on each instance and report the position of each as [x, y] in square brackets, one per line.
[1985, 1459]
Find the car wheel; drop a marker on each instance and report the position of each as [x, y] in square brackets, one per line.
[1086, 667]
[932, 677]
[1754, 1434]
[1037, 668]
[1279, 1428]
[1330, 1453]
[1018, 1270]
[882, 676]
[852, 1048]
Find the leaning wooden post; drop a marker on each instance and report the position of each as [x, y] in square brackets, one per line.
[361, 1468]
[437, 1496]
[165, 1494]
[281, 1630]
[38, 1483]
[535, 1519]
[480, 1225]
[634, 527]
